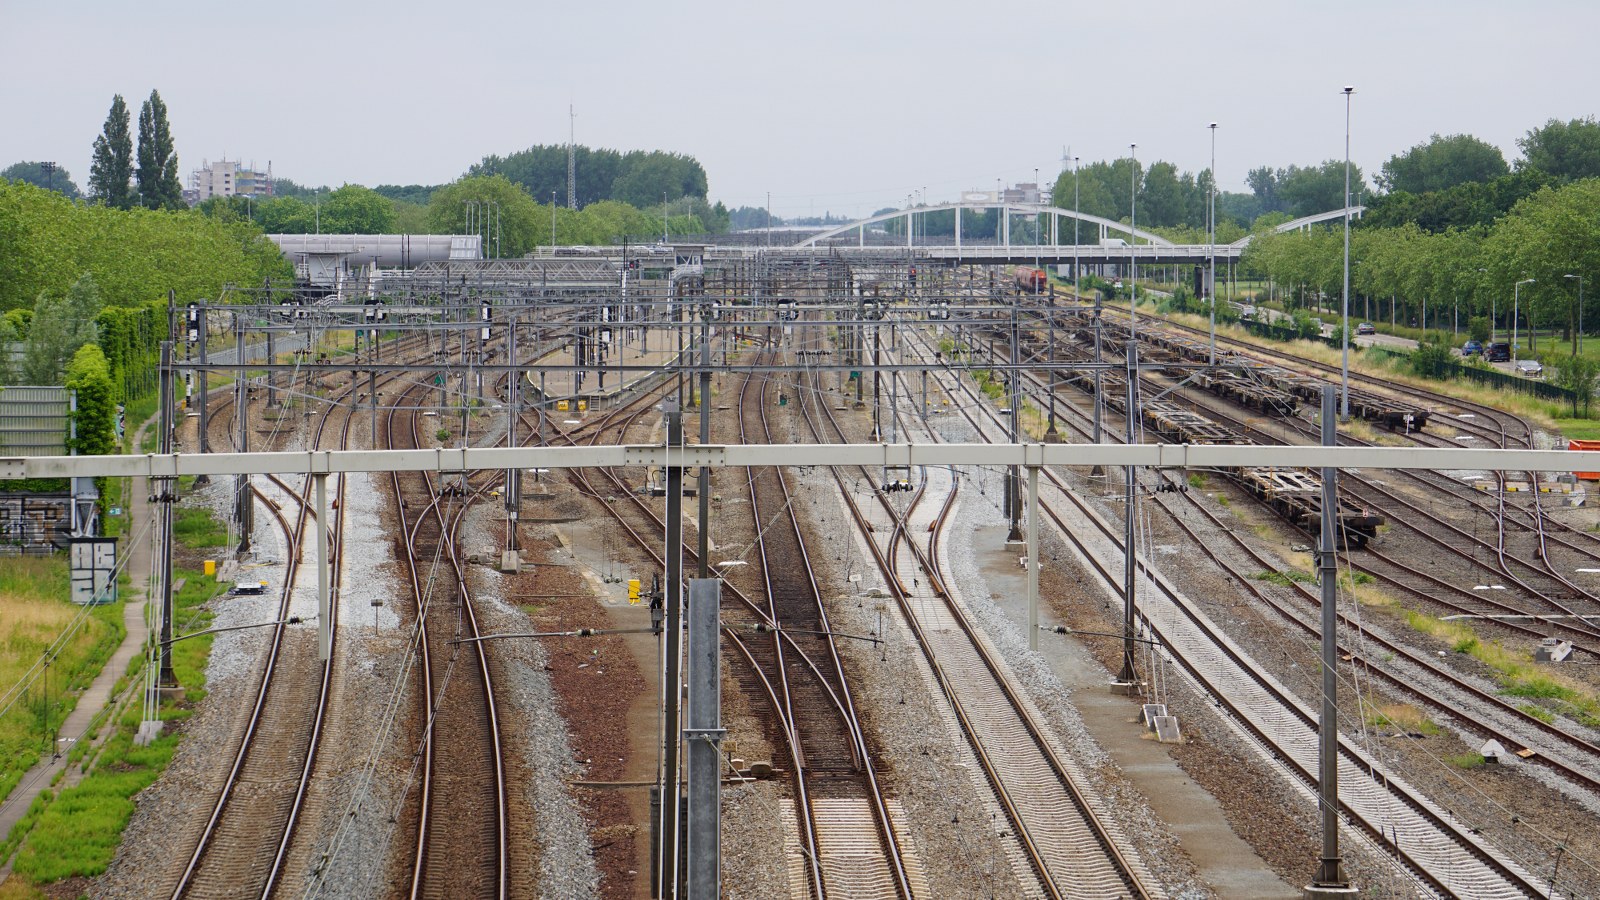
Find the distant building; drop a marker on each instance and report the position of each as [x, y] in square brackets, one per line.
[1026, 193]
[227, 178]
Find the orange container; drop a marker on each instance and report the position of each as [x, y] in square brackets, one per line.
[1585, 445]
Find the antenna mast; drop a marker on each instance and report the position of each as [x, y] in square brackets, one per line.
[572, 159]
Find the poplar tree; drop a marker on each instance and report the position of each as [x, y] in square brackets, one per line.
[112, 169]
[158, 163]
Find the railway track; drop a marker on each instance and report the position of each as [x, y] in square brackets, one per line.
[846, 812]
[460, 842]
[1060, 841]
[242, 847]
[1441, 854]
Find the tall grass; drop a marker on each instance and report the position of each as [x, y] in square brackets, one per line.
[75, 833]
[34, 613]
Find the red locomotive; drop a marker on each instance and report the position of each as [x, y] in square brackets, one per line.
[1033, 281]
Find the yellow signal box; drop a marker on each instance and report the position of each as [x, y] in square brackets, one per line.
[561, 406]
[633, 591]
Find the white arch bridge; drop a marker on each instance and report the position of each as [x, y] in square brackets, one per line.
[1045, 224]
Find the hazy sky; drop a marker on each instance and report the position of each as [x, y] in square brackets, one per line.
[829, 105]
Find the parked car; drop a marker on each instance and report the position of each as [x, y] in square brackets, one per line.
[1472, 348]
[1366, 328]
[1497, 351]
[1531, 368]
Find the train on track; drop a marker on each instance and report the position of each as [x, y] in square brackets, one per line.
[1265, 387]
[1031, 281]
[1295, 494]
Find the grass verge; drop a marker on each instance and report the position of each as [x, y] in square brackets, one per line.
[75, 833]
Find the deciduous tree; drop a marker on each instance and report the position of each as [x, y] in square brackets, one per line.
[1567, 150]
[34, 173]
[1442, 163]
[61, 324]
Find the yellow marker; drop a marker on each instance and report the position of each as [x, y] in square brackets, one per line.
[583, 406]
[633, 591]
[561, 406]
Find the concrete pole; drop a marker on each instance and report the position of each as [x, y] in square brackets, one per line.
[1330, 879]
[703, 735]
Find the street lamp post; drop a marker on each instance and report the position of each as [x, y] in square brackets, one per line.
[1577, 343]
[1075, 226]
[1344, 356]
[1516, 308]
[1211, 246]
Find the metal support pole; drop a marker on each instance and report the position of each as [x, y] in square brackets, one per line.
[244, 509]
[272, 357]
[1330, 878]
[671, 685]
[703, 736]
[877, 382]
[1098, 382]
[1014, 474]
[324, 582]
[704, 481]
[1050, 433]
[1033, 557]
[1129, 675]
[513, 475]
[164, 490]
[203, 384]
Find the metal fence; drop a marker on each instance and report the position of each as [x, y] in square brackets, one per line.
[35, 421]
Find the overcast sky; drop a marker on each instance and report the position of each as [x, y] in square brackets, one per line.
[831, 106]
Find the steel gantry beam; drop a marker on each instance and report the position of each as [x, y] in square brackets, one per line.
[1169, 456]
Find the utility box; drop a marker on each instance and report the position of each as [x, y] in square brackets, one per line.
[1585, 445]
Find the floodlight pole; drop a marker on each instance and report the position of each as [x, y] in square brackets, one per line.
[1344, 356]
[1211, 247]
[1516, 314]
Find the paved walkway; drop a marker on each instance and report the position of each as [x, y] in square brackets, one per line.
[135, 549]
[1193, 816]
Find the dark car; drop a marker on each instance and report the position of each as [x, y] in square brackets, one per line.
[1497, 351]
[1472, 348]
[1366, 328]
